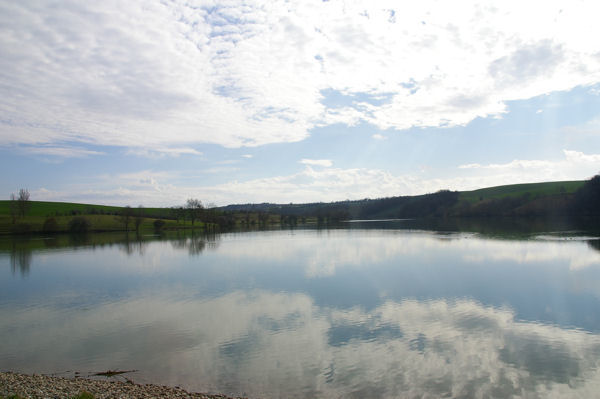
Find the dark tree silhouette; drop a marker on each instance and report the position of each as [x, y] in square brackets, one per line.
[125, 216]
[23, 201]
[194, 209]
[138, 218]
[587, 198]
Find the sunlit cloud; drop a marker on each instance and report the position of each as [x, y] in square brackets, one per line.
[317, 162]
[321, 183]
[574, 164]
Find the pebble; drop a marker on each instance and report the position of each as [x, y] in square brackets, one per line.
[40, 386]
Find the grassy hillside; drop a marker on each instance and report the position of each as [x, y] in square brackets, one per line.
[508, 200]
[518, 190]
[45, 208]
[100, 217]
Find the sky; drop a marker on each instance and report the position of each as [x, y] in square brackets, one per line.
[153, 102]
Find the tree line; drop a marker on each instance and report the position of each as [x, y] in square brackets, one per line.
[583, 204]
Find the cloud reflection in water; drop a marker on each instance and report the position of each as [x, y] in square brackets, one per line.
[270, 344]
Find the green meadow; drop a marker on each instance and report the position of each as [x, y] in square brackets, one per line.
[519, 190]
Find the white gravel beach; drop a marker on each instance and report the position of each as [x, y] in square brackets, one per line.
[43, 386]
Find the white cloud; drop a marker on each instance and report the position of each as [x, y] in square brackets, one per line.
[378, 136]
[59, 151]
[162, 152]
[247, 156]
[169, 74]
[336, 184]
[319, 184]
[574, 165]
[317, 162]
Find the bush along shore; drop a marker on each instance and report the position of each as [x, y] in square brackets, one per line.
[20, 386]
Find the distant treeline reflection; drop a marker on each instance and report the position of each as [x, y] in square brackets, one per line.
[20, 249]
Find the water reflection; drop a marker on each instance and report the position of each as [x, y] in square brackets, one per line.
[301, 313]
[20, 259]
[273, 344]
[594, 244]
[133, 244]
[196, 243]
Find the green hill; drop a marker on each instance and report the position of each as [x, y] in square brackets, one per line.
[507, 200]
[518, 190]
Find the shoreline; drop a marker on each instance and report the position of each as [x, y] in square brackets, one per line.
[45, 386]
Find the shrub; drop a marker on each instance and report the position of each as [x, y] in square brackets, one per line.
[158, 224]
[50, 225]
[79, 224]
[21, 228]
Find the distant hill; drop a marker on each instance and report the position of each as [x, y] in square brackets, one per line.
[507, 200]
[512, 190]
[573, 199]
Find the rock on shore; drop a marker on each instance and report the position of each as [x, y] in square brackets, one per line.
[43, 386]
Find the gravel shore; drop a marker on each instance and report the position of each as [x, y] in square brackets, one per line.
[43, 386]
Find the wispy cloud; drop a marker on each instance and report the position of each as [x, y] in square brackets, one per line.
[317, 162]
[59, 151]
[253, 73]
[162, 152]
[549, 170]
[318, 184]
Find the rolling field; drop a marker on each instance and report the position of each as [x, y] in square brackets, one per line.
[517, 190]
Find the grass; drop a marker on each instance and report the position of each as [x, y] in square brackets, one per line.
[98, 223]
[47, 209]
[518, 190]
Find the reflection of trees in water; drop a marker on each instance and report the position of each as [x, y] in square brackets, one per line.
[594, 244]
[52, 242]
[79, 239]
[20, 258]
[133, 245]
[196, 243]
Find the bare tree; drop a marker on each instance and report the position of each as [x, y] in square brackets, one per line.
[178, 212]
[23, 201]
[194, 209]
[138, 218]
[125, 216]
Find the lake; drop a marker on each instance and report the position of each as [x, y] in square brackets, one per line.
[369, 310]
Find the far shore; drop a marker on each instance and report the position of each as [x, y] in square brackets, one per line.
[17, 385]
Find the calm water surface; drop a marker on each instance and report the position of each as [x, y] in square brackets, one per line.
[357, 312]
